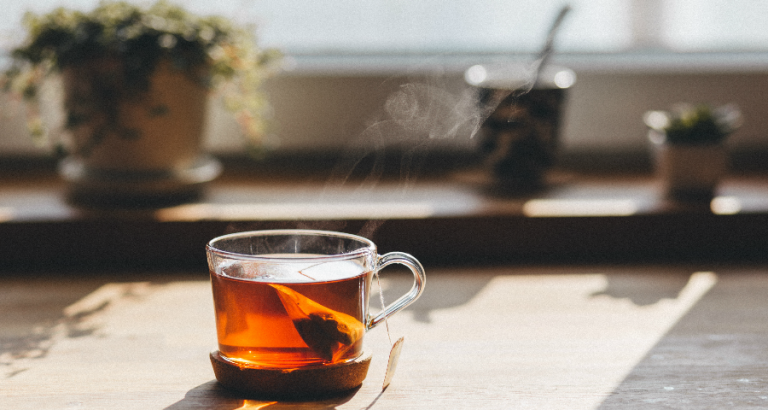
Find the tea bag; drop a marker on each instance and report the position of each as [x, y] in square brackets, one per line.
[321, 328]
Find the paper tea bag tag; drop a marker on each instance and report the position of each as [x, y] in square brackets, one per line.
[394, 356]
[324, 330]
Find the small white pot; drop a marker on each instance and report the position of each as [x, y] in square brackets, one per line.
[158, 158]
[690, 171]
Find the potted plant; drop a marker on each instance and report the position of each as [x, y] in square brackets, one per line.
[136, 83]
[688, 141]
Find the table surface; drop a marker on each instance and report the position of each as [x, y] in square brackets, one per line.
[480, 337]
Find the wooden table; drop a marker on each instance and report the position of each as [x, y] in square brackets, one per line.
[493, 337]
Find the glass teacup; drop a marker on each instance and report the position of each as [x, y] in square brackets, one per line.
[297, 298]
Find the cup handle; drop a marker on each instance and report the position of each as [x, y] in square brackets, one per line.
[419, 279]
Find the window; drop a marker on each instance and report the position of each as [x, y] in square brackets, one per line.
[498, 26]
[489, 26]
[339, 36]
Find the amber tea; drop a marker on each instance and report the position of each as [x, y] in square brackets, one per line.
[291, 308]
[290, 314]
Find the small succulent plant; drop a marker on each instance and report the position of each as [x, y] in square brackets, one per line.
[693, 124]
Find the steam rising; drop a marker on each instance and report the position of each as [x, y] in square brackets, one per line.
[416, 115]
[413, 118]
[433, 112]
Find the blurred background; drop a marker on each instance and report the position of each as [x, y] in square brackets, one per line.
[344, 58]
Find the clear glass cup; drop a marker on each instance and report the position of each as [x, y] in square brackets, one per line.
[296, 298]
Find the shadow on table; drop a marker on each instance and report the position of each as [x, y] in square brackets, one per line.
[714, 357]
[212, 396]
[646, 289]
[33, 315]
[442, 291]
[34, 312]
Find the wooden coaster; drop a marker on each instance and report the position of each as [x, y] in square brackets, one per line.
[309, 382]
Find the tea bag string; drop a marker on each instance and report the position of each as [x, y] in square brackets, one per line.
[397, 347]
[383, 306]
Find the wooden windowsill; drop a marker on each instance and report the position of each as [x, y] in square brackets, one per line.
[440, 219]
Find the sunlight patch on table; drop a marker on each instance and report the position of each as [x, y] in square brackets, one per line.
[293, 211]
[579, 207]
[725, 205]
[6, 213]
[559, 331]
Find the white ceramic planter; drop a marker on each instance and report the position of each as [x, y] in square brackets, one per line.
[156, 152]
[690, 171]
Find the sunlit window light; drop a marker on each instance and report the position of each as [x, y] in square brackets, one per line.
[725, 205]
[6, 214]
[384, 26]
[282, 211]
[579, 207]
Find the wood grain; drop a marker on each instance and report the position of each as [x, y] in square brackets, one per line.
[499, 338]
